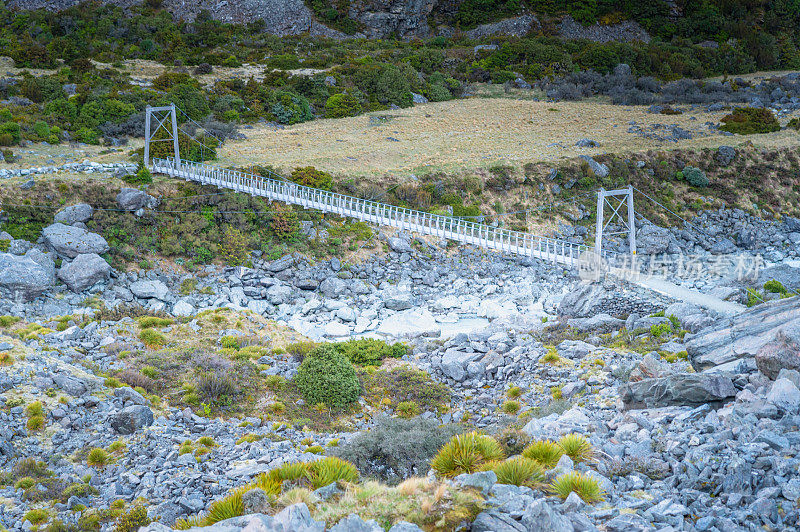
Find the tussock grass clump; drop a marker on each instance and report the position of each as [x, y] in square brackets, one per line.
[152, 339]
[148, 322]
[6, 359]
[8, 321]
[551, 357]
[514, 391]
[584, 486]
[511, 407]
[97, 458]
[577, 448]
[466, 453]
[520, 471]
[37, 516]
[544, 452]
[230, 506]
[331, 469]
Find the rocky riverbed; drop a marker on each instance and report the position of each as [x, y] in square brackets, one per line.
[692, 418]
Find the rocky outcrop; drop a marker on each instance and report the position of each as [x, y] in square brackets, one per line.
[627, 31]
[680, 389]
[736, 341]
[517, 26]
[73, 214]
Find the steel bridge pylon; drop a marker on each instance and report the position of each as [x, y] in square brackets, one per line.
[616, 200]
[160, 115]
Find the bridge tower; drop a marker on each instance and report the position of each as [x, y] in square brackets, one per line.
[615, 200]
[159, 116]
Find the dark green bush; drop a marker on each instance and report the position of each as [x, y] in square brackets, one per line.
[749, 121]
[13, 130]
[142, 177]
[88, 135]
[290, 108]
[341, 105]
[695, 176]
[370, 351]
[283, 62]
[327, 377]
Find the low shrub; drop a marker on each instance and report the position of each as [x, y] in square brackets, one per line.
[142, 177]
[37, 516]
[584, 486]
[370, 351]
[309, 176]
[146, 322]
[749, 121]
[775, 287]
[513, 440]
[217, 388]
[341, 105]
[511, 407]
[695, 176]
[396, 449]
[466, 453]
[326, 376]
[133, 519]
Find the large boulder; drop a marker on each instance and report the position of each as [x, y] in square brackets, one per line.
[690, 389]
[131, 418]
[410, 323]
[398, 297]
[599, 323]
[82, 212]
[654, 240]
[149, 289]
[399, 245]
[598, 169]
[24, 277]
[133, 199]
[70, 241]
[733, 341]
[84, 272]
[781, 353]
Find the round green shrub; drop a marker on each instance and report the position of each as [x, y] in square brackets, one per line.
[290, 108]
[311, 177]
[326, 376]
[340, 105]
[87, 135]
[695, 176]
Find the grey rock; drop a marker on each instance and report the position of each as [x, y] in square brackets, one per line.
[405, 526]
[353, 523]
[281, 264]
[129, 395]
[297, 518]
[70, 241]
[496, 521]
[541, 516]
[84, 272]
[725, 155]
[333, 287]
[82, 212]
[785, 396]
[26, 277]
[732, 339]
[783, 353]
[598, 169]
[399, 245]
[70, 384]
[149, 289]
[183, 309]
[680, 389]
[133, 199]
[131, 418]
[482, 480]
[600, 322]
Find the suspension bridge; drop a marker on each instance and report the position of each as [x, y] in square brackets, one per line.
[558, 251]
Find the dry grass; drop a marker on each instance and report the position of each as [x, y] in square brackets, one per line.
[464, 134]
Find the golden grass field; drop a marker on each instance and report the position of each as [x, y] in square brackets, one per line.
[468, 133]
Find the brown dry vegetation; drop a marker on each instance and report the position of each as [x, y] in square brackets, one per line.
[468, 134]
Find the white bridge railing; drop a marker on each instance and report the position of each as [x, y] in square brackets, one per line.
[459, 230]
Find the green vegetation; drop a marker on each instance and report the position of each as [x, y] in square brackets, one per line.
[749, 121]
[467, 453]
[584, 486]
[97, 458]
[369, 351]
[577, 448]
[544, 452]
[152, 339]
[520, 471]
[327, 377]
